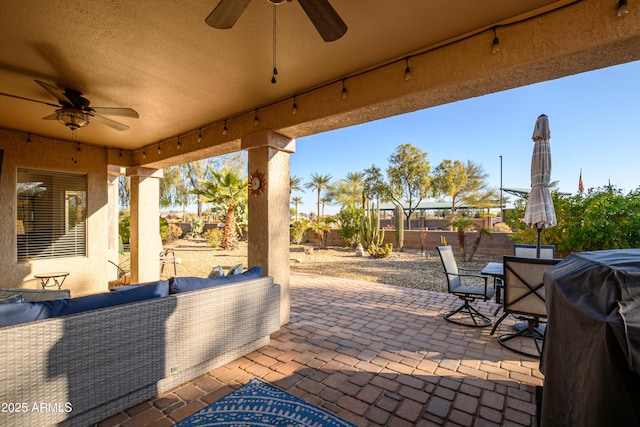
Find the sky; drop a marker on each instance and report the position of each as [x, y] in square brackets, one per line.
[594, 119]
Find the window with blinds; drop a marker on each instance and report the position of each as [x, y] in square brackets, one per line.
[51, 215]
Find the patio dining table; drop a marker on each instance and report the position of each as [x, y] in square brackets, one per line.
[495, 270]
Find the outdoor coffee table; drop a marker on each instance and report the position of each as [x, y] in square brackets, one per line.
[56, 277]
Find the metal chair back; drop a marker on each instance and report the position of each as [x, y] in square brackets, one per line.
[450, 267]
[529, 251]
[524, 291]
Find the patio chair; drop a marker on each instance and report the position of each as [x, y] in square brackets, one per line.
[168, 257]
[466, 314]
[123, 269]
[524, 298]
[524, 251]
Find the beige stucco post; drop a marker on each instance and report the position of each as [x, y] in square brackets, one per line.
[269, 209]
[113, 188]
[145, 224]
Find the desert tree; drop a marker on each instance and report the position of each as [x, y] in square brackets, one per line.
[409, 181]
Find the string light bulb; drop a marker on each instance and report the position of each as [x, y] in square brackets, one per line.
[199, 135]
[495, 46]
[121, 152]
[623, 8]
[159, 149]
[179, 145]
[256, 120]
[144, 153]
[28, 137]
[224, 129]
[294, 107]
[407, 71]
[345, 93]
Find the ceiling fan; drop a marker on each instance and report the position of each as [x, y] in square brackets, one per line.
[323, 16]
[74, 112]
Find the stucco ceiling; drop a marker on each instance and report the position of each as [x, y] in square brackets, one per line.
[161, 59]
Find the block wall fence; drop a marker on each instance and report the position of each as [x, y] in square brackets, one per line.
[498, 244]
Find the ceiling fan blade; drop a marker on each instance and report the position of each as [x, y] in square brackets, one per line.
[28, 99]
[325, 18]
[111, 123]
[53, 116]
[57, 93]
[226, 13]
[115, 111]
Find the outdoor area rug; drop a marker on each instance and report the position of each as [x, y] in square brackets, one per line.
[258, 403]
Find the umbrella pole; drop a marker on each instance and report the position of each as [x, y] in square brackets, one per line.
[539, 229]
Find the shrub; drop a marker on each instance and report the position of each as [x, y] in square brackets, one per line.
[298, 229]
[602, 219]
[164, 229]
[175, 232]
[501, 227]
[349, 219]
[213, 236]
[124, 228]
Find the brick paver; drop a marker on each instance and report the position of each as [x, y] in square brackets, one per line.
[377, 356]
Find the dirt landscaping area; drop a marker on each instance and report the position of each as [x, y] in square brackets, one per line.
[408, 269]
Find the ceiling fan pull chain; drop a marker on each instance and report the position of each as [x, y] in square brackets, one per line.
[275, 70]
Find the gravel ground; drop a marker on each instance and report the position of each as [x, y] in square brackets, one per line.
[408, 269]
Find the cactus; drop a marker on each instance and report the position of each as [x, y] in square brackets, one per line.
[399, 217]
[379, 251]
[370, 234]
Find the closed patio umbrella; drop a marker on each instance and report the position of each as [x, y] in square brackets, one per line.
[540, 212]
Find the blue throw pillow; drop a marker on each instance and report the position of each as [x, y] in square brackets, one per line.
[186, 284]
[236, 269]
[216, 272]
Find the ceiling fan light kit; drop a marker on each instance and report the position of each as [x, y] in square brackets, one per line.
[73, 119]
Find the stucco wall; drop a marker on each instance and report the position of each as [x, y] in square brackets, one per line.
[88, 274]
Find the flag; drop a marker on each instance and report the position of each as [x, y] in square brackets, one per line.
[580, 184]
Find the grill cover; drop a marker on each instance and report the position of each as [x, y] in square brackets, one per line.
[591, 353]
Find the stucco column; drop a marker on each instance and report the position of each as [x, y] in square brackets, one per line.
[145, 224]
[113, 178]
[269, 209]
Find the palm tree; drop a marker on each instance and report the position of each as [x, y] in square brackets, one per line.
[297, 200]
[350, 190]
[295, 184]
[318, 182]
[229, 189]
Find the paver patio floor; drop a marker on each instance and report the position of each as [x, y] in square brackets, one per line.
[376, 355]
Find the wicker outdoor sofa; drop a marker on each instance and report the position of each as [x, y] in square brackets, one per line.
[82, 368]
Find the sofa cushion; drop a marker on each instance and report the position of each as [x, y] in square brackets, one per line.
[186, 284]
[16, 313]
[33, 295]
[8, 299]
[23, 312]
[132, 293]
[160, 287]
